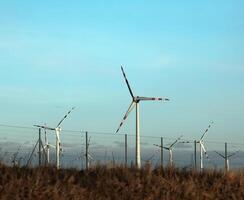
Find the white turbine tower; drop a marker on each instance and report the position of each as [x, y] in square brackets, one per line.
[202, 148]
[135, 102]
[57, 131]
[170, 149]
[47, 146]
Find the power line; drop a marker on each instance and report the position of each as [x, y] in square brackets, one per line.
[14, 126]
[78, 132]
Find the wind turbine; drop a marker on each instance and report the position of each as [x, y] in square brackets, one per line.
[47, 146]
[135, 102]
[87, 155]
[202, 147]
[57, 130]
[226, 157]
[170, 149]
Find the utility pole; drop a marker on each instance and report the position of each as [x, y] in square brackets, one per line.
[195, 154]
[87, 162]
[40, 158]
[40, 147]
[162, 155]
[126, 150]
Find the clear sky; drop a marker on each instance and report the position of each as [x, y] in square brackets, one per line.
[59, 54]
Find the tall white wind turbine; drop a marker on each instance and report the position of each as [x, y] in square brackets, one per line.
[202, 147]
[135, 102]
[170, 149]
[57, 130]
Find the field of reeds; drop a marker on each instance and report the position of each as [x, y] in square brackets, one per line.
[118, 183]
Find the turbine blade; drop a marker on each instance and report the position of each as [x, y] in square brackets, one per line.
[126, 115]
[233, 153]
[39, 126]
[150, 158]
[220, 154]
[90, 157]
[206, 130]
[152, 99]
[167, 148]
[43, 150]
[157, 145]
[44, 127]
[204, 150]
[65, 116]
[184, 142]
[50, 145]
[127, 83]
[175, 141]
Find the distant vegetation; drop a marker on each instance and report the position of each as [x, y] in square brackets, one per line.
[118, 183]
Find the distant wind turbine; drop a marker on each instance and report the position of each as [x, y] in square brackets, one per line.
[226, 157]
[57, 131]
[47, 146]
[135, 102]
[202, 147]
[170, 149]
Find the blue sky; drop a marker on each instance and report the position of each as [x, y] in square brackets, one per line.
[59, 54]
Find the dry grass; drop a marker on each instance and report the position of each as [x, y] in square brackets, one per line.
[118, 183]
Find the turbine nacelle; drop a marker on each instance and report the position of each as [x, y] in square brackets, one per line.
[58, 129]
[138, 98]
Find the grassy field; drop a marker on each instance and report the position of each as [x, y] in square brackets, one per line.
[118, 183]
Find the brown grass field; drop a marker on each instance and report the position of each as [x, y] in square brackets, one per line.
[118, 183]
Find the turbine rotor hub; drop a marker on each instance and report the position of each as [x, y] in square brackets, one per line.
[136, 99]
